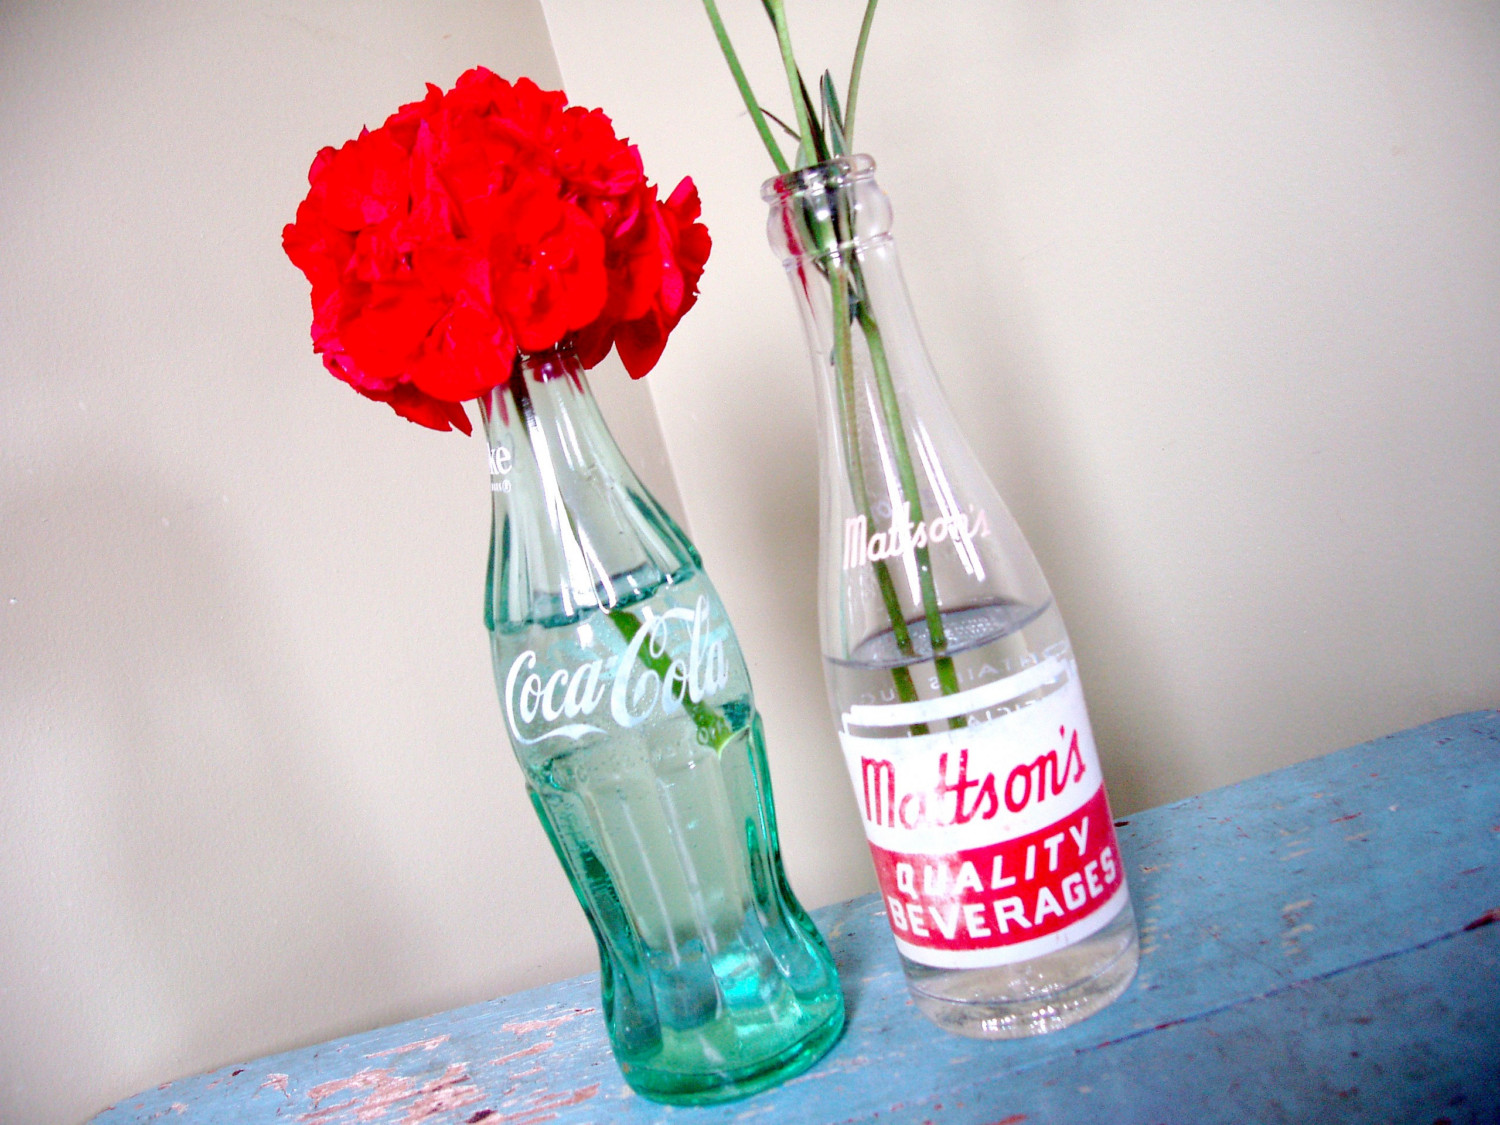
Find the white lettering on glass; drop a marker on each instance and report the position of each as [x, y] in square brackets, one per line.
[906, 535]
[692, 670]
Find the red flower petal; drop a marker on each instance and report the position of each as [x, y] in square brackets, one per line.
[640, 344]
[425, 410]
[467, 353]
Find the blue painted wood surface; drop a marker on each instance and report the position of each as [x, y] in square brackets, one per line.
[1317, 944]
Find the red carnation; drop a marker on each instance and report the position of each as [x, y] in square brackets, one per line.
[490, 219]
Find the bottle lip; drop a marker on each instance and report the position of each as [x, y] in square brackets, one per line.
[830, 174]
[561, 358]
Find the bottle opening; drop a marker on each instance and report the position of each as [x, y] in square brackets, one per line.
[819, 177]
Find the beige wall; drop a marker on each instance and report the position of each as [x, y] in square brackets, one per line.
[1215, 288]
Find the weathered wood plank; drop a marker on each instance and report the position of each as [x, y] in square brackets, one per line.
[1316, 942]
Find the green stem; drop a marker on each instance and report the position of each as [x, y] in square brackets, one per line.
[746, 93]
[828, 243]
[843, 352]
[846, 278]
[713, 729]
[890, 408]
[793, 78]
[859, 63]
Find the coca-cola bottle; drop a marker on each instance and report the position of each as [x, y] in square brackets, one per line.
[953, 685]
[628, 706]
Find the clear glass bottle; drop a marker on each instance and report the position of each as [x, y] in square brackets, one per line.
[629, 708]
[953, 685]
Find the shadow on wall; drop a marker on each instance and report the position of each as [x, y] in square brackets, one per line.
[169, 821]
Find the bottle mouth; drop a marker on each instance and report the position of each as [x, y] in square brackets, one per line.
[830, 174]
[552, 363]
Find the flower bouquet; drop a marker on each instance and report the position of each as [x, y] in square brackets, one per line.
[482, 223]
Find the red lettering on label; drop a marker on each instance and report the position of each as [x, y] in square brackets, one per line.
[957, 797]
[1043, 777]
[880, 791]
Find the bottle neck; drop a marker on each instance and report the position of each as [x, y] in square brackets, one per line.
[575, 530]
[912, 528]
[831, 225]
[879, 401]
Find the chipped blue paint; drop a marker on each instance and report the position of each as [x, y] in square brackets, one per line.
[1316, 943]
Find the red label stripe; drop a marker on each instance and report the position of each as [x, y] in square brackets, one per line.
[999, 894]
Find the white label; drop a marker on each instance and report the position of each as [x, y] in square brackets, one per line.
[994, 841]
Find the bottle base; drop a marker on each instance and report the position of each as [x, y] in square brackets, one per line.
[1033, 997]
[727, 1085]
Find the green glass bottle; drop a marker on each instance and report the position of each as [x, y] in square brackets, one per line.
[629, 708]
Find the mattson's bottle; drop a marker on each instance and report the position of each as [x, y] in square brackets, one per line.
[953, 685]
